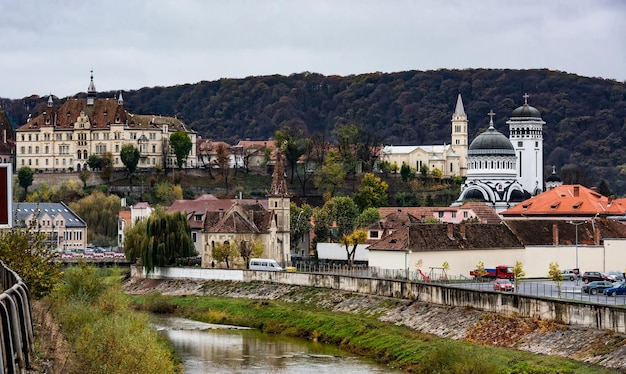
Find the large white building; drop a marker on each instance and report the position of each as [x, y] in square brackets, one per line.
[64, 135]
[505, 171]
[450, 159]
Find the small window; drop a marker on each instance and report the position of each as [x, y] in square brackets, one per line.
[373, 234]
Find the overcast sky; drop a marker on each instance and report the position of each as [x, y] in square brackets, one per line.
[51, 46]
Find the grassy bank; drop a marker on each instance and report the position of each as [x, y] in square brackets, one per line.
[106, 335]
[361, 334]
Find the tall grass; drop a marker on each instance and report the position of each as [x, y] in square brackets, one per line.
[107, 336]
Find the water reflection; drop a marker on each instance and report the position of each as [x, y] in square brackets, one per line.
[206, 348]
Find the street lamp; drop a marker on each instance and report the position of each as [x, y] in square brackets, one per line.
[406, 266]
[577, 268]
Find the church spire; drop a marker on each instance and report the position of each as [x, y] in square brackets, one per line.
[120, 99]
[279, 185]
[91, 91]
[459, 111]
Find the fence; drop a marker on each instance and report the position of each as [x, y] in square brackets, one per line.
[568, 290]
[15, 323]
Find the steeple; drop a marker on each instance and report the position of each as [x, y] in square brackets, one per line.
[91, 91]
[459, 111]
[279, 185]
[459, 137]
[120, 99]
[50, 102]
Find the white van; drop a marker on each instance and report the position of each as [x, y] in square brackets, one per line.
[264, 264]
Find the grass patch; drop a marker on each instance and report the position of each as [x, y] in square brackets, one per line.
[392, 345]
[106, 335]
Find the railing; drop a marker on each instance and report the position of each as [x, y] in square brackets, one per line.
[569, 290]
[16, 323]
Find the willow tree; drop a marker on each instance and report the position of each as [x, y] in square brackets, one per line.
[168, 237]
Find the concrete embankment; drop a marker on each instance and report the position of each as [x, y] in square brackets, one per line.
[596, 346]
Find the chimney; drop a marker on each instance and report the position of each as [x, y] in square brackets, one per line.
[462, 228]
[451, 231]
[576, 191]
[555, 234]
[221, 212]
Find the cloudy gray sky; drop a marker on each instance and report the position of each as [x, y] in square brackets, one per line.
[51, 46]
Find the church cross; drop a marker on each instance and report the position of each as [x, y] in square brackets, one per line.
[491, 114]
[525, 96]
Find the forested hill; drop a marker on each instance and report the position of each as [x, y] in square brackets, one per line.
[586, 117]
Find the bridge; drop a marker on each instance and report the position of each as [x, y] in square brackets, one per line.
[15, 323]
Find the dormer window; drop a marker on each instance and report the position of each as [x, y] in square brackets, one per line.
[47, 121]
[577, 205]
[526, 206]
[117, 119]
[554, 206]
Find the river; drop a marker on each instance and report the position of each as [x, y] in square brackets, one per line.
[206, 348]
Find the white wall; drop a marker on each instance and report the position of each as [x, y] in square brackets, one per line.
[535, 260]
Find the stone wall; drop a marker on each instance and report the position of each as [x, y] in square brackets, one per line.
[606, 317]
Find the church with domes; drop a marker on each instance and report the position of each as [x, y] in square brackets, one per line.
[504, 171]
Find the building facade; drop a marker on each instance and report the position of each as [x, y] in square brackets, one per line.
[450, 159]
[65, 229]
[526, 135]
[63, 136]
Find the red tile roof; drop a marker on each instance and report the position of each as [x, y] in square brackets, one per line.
[568, 201]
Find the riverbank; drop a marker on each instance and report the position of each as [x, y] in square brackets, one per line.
[596, 347]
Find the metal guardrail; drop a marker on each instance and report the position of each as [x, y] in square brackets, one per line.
[16, 323]
[569, 290]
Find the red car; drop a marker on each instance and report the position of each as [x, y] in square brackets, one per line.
[503, 285]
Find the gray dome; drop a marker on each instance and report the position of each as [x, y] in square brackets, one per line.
[553, 178]
[526, 111]
[491, 142]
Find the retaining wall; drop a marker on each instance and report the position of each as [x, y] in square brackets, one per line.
[607, 317]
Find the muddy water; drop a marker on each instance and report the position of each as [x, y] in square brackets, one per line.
[207, 348]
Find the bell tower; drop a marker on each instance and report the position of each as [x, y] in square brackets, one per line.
[459, 135]
[279, 204]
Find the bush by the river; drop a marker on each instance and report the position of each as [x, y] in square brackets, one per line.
[106, 335]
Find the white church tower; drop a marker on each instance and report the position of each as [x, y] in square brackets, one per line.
[459, 135]
[526, 135]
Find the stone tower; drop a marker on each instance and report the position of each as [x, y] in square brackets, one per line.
[279, 204]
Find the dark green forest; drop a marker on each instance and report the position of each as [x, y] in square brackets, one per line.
[585, 130]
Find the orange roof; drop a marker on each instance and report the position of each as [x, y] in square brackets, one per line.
[568, 200]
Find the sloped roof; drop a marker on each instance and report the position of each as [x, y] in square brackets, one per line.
[102, 114]
[549, 232]
[448, 237]
[484, 212]
[240, 219]
[21, 211]
[567, 200]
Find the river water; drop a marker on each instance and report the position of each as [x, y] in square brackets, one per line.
[208, 348]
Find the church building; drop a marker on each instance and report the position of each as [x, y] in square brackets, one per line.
[450, 159]
[505, 171]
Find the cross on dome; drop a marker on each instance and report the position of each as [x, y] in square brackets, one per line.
[491, 114]
[525, 96]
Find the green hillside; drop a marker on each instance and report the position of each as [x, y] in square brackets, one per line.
[585, 117]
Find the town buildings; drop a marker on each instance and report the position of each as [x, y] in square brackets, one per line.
[64, 135]
[65, 229]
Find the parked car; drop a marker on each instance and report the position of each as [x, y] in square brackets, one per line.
[609, 277]
[592, 276]
[503, 285]
[594, 288]
[616, 290]
[571, 274]
[619, 276]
